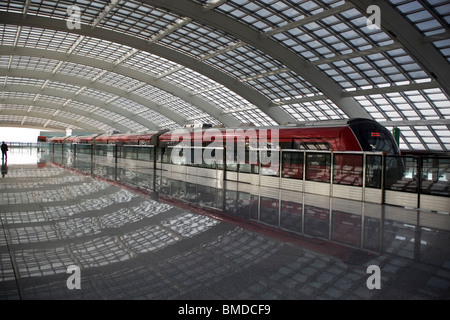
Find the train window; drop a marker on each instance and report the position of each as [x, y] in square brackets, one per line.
[302, 145]
[285, 144]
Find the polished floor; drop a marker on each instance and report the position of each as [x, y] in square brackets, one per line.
[134, 233]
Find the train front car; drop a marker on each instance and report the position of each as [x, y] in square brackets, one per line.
[372, 136]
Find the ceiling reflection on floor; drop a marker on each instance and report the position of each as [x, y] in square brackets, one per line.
[409, 233]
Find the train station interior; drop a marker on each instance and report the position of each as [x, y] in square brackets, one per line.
[135, 187]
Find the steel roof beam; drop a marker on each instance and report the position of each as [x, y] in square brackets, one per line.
[271, 47]
[85, 83]
[16, 124]
[243, 90]
[179, 92]
[395, 24]
[43, 115]
[58, 106]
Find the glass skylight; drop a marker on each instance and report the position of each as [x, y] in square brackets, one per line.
[209, 71]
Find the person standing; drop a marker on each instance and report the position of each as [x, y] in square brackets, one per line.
[4, 152]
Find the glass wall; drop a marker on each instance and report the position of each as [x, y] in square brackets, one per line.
[348, 169]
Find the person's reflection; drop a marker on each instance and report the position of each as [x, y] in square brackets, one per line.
[4, 168]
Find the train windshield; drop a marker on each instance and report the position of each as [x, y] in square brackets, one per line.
[374, 137]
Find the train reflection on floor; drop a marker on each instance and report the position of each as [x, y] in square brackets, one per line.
[318, 220]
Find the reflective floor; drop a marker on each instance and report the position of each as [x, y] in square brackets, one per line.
[138, 233]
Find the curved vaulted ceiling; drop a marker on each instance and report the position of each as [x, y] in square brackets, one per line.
[153, 64]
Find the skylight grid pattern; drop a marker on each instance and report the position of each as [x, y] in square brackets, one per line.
[18, 81]
[17, 95]
[444, 47]
[204, 119]
[62, 86]
[6, 118]
[18, 107]
[423, 138]
[119, 81]
[254, 116]
[156, 118]
[245, 61]
[374, 70]
[80, 105]
[15, 6]
[51, 99]
[283, 86]
[191, 80]
[33, 121]
[153, 94]
[107, 114]
[149, 64]
[92, 122]
[133, 125]
[430, 104]
[269, 14]
[58, 9]
[443, 132]
[225, 99]
[128, 105]
[138, 19]
[333, 36]
[32, 37]
[8, 34]
[186, 109]
[314, 111]
[198, 40]
[63, 126]
[32, 63]
[78, 70]
[430, 17]
[101, 49]
[98, 95]
[65, 114]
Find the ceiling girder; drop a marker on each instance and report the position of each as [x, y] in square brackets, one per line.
[250, 36]
[248, 93]
[56, 106]
[426, 55]
[43, 115]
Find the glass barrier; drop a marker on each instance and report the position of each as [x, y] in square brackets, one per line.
[292, 165]
[436, 176]
[101, 150]
[374, 169]
[318, 167]
[269, 208]
[84, 148]
[270, 162]
[144, 153]
[57, 147]
[317, 221]
[291, 216]
[348, 169]
[401, 179]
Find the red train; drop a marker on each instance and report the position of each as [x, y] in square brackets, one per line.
[343, 135]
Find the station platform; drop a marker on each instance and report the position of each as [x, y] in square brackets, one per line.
[134, 233]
